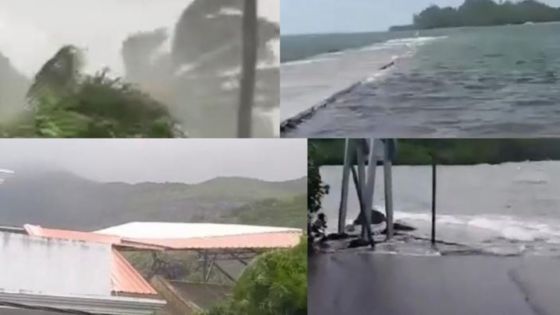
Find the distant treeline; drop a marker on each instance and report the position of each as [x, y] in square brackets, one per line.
[483, 13]
[450, 151]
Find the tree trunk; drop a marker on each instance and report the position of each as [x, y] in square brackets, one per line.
[247, 86]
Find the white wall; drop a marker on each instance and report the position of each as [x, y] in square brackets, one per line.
[55, 267]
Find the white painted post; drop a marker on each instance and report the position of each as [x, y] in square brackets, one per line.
[344, 192]
[388, 188]
[370, 187]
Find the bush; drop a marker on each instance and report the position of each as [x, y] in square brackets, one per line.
[99, 108]
[274, 284]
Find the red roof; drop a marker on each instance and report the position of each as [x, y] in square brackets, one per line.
[36, 230]
[124, 278]
[244, 241]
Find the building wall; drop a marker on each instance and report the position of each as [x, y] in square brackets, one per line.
[55, 267]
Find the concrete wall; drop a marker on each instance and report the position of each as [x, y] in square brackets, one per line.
[54, 267]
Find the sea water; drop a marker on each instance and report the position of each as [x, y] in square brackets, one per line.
[506, 208]
[462, 82]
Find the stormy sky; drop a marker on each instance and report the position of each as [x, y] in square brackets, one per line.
[336, 16]
[31, 31]
[167, 160]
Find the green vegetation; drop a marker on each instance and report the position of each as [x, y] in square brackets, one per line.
[286, 212]
[191, 86]
[315, 189]
[483, 13]
[276, 283]
[64, 103]
[64, 200]
[208, 39]
[450, 151]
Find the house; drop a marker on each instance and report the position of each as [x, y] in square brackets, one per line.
[38, 274]
[118, 280]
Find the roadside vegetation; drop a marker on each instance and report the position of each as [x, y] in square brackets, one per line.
[450, 151]
[275, 283]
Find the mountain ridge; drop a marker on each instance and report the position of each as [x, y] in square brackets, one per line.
[65, 200]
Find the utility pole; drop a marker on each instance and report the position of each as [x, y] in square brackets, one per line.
[434, 189]
[249, 65]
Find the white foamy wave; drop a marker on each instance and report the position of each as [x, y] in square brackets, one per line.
[315, 59]
[376, 76]
[407, 42]
[499, 226]
[393, 43]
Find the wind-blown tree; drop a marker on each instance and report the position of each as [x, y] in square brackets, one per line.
[59, 76]
[276, 283]
[204, 68]
[67, 103]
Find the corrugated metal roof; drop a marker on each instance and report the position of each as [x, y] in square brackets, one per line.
[205, 235]
[182, 236]
[36, 230]
[245, 241]
[172, 230]
[93, 237]
[195, 236]
[126, 279]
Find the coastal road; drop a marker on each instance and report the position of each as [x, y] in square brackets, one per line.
[371, 283]
[307, 83]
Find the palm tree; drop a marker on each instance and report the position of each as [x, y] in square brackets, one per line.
[60, 75]
[247, 90]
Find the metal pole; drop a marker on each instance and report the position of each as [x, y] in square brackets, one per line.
[344, 191]
[205, 267]
[434, 180]
[388, 188]
[248, 69]
[359, 175]
[368, 194]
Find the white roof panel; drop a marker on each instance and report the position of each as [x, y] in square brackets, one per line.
[167, 230]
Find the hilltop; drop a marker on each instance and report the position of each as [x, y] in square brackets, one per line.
[483, 13]
[65, 200]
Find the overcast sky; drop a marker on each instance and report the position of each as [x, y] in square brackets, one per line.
[31, 31]
[341, 16]
[168, 160]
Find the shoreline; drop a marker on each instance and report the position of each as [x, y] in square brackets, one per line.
[292, 123]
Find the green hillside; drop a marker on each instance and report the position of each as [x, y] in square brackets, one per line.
[285, 212]
[451, 151]
[60, 199]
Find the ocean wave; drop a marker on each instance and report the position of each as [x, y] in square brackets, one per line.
[510, 228]
[411, 42]
[305, 61]
[407, 41]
